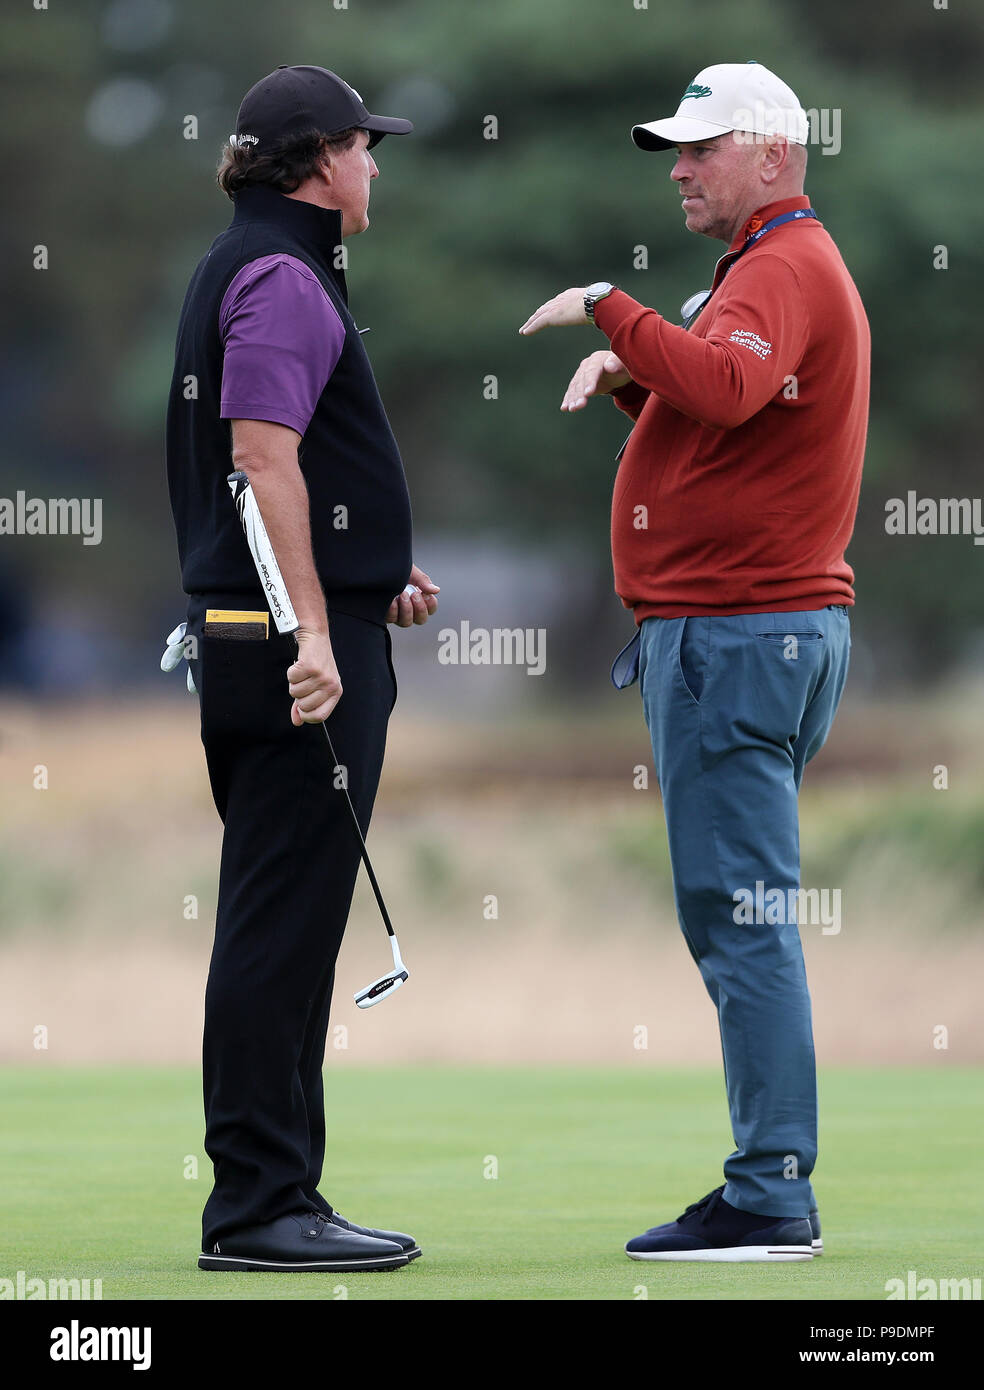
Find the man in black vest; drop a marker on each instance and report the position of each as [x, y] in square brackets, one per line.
[271, 377]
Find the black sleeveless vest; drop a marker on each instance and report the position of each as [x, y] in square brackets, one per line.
[348, 456]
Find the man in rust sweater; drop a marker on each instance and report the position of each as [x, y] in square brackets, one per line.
[733, 505]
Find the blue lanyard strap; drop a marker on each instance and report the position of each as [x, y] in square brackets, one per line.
[750, 241]
[773, 223]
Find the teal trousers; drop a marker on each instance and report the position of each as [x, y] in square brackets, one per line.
[736, 707]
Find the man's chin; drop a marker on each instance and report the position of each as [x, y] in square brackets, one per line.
[695, 220]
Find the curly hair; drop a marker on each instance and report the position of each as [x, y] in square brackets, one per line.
[285, 166]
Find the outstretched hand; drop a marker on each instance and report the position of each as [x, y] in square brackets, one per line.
[563, 311]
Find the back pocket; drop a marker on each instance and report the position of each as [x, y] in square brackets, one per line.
[789, 643]
[779, 636]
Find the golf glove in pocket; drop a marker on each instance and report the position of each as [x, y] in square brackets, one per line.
[175, 652]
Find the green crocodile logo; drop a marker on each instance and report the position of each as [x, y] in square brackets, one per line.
[694, 90]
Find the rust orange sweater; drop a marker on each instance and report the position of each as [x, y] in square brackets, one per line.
[738, 488]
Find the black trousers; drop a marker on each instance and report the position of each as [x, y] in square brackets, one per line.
[290, 859]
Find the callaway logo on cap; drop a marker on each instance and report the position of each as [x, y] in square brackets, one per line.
[291, 100]
[729, 96]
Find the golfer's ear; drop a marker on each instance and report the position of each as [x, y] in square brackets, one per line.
[774, 159]
[326, 166]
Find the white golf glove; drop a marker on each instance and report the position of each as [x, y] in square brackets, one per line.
[175, 653]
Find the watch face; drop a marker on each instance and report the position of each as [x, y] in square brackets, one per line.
[599, 287]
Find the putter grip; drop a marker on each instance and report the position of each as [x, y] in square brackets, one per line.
[267, 569]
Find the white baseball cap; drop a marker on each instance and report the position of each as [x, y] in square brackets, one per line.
[729, 96]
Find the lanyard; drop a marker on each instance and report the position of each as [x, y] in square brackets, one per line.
[692, 306]
[696, 302]
[773, 222]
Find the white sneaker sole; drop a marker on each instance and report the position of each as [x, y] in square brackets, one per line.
[735, 1254]
[244, 1262]
[818, 1246]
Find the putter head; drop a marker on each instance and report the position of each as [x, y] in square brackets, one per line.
[381, 988]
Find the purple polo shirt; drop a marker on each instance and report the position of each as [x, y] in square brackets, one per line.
[281, 337]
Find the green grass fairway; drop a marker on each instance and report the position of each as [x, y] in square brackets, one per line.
[93, 1166]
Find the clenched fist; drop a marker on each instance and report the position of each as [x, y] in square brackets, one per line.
[313, 679]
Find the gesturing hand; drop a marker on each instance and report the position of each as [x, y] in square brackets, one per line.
[407, 609]
[563, 311]
[597, 375]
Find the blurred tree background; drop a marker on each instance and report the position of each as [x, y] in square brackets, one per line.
[468, 235]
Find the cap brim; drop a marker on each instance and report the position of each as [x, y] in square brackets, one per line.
[675, 130]
[378, 126]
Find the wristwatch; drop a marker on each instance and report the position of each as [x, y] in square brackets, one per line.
[601, 289]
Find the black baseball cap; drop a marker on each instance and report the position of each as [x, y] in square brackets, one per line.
[294, 99]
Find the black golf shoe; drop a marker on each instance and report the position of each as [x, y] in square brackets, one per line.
[407, 1244]
[301, 1242]
[715, 1231]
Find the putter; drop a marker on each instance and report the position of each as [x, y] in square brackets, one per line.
[286, 623]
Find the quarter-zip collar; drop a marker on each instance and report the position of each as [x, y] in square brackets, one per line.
[754, 224]
[320, 229]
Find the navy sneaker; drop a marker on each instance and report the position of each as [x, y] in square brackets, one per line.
[713, 1230]
[815, 1232]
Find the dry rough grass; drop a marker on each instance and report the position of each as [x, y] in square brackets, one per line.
[585, 950]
